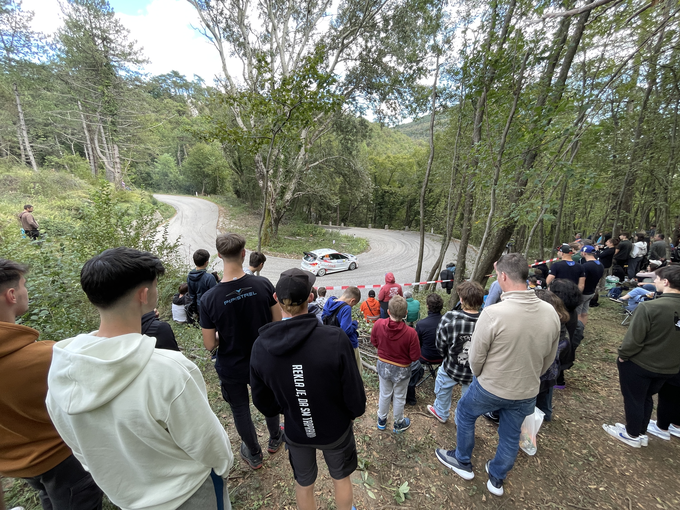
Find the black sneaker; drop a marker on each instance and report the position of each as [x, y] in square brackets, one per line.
[254, 461]
[492, 416]
[494, 485]
[275, 444]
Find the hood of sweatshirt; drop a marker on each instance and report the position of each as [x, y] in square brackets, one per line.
[396, 330]
[177, 300]
[280, 338]
[14, 337]
[332, 304]
[88, 371]
[195, 275]
[389, 278]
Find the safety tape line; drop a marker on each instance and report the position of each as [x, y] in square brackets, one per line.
[343, 287]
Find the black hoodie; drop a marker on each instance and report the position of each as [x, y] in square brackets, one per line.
[308, 372]
[161, 331]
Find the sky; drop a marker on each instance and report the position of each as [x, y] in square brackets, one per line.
[163, 28]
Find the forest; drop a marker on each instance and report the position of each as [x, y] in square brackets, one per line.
[531, 121]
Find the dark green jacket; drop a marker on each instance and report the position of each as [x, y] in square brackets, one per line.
[653, 337]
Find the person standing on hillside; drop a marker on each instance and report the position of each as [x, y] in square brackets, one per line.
[623, 251]
[593, 270]
[658, 249]
[28, 222]
[567, 268]
[236, 309]
[199, 281]
[648, 357]
[30, 446]
[387, 292]
[507, 359]
[256, 262]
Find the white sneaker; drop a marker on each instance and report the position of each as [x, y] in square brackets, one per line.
[654, 429]
[675, 431]
[622, 435]
[644, 438]
[17, 508]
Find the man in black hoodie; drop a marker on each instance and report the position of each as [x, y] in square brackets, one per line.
[307, 372]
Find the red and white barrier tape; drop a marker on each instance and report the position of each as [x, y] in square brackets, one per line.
[343, 287]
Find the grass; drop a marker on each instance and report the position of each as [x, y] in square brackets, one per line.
[294, 237]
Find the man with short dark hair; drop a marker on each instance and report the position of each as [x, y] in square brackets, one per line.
[30, 446]
[306, 371]
[137, 417]
[28, 222]
[566, 268]
[256, 262]
[507, 359]
[199, 281]
[236, 309]
[648, 357]
[593, 270]
[658, 249]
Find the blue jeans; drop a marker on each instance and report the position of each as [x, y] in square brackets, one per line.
[443, 388]
[476, 402]
[544, 403]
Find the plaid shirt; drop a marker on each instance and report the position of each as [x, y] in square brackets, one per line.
[454, 335]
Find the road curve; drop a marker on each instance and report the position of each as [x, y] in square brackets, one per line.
[390, 250]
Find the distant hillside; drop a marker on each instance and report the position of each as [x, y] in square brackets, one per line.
[383, 140]
[420, 129]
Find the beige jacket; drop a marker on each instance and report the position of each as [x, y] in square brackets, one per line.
[28, 221]
[514, 343]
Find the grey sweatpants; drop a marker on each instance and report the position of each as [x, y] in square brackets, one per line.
[204, 498]
[393, 385]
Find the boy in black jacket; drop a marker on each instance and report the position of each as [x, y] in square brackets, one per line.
[307, 371]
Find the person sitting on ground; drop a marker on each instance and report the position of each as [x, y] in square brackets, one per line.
[507, 359]
[137, 417]
[413, 313]
[387, 292]
[453, 340]
[306, 371]
[30, 446]
[398, 347]
[370, 308]
[179, 301]
[313, 306]
[256, 262]
[549, 378]
[199, 281]
[648, 357]
[28, 223]
[427, 336]
[338, 312]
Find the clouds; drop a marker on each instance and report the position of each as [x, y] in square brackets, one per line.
[163, 28]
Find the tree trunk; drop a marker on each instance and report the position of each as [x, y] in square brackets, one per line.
[21, 145]
[24, 131]
[558, 219]
[464, 240]
[89, 150]
[426, 180]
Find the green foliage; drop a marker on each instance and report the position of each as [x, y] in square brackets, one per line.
[207, 169]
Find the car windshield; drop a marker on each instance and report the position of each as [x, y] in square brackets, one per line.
[309, 257]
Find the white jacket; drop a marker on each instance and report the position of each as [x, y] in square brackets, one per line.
[137, 418]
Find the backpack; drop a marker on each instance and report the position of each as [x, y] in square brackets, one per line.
[332, 319]
[614, 293]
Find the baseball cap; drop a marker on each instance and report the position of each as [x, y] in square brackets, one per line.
[588, 249]
[296, 285]
[565, 248]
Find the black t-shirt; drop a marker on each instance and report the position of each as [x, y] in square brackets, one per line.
[237, 310]
[594, 271]
[625, 247]
[606, 256]
[567, 269]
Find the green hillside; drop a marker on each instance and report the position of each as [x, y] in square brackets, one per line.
[419, 129]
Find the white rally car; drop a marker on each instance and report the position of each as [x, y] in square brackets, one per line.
[320, 262]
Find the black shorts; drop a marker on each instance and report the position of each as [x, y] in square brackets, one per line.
[341, 461]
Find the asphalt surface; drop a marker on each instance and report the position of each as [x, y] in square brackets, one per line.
[390, 250]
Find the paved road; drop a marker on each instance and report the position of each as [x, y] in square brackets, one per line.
[390, 250]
